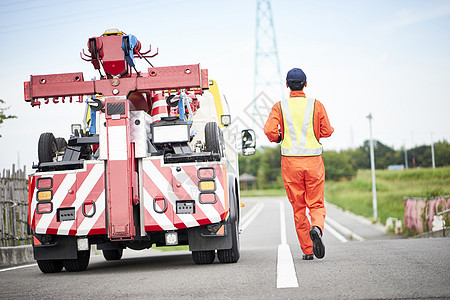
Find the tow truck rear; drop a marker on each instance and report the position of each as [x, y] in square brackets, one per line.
[154, 164]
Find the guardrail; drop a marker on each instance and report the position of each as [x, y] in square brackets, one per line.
[13, 208]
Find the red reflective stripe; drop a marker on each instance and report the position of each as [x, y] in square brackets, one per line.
[191, 171]
[99, 226]
[93, 195]
[181, 194]
[154, 191]
[69, 199]
[31, 187]
[153, 225]
[57, 180]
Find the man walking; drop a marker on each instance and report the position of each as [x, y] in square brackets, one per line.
[299, 123]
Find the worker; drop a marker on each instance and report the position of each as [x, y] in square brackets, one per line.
[299, 123]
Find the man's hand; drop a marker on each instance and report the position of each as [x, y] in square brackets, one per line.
[279, 136]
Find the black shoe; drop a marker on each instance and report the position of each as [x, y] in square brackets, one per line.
[318, 246]
[308, 257]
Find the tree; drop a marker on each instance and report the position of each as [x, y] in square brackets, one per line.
[269, 171]
[384, 155]
[338, 165]
[442, 151]
[4, 117]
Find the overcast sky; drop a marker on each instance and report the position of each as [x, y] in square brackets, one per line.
[388, 58]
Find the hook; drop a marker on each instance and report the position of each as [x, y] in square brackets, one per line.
[143, 54]
[81, 55]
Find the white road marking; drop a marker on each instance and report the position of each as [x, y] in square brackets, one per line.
[344, 230]
[248, 218]
[286, 276]
[18, 267]
[335, 233]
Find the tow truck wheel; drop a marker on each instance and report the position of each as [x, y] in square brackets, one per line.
[231, 255]
[50, 266]
[213, 138]
[114, 254]
[47, 148]
[203, 257]
[61, 144]
[78, 264]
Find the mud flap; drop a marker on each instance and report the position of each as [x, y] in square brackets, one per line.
[201, 239]
[62, 247]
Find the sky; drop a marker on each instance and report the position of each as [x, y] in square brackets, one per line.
[388, 58]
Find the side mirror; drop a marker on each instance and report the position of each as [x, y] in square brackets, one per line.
[248, 142]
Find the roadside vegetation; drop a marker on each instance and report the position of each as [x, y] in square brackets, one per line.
[392, 187]
[348, 177]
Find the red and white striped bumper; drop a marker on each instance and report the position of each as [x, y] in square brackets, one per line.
[164, 185]
[80, 191]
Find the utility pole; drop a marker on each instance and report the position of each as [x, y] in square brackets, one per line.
[432, 151]
[406, 157]
[372, 167]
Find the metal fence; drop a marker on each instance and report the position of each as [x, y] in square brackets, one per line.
[14, 208]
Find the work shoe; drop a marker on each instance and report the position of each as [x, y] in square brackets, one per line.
[308, 257]
[318, 246]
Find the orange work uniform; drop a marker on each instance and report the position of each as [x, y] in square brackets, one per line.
[303, 176]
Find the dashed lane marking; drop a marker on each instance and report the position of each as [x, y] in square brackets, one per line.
[286, 276]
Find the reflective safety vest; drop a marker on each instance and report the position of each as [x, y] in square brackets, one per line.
[299, 138]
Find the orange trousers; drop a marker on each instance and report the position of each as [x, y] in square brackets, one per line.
[304, 179]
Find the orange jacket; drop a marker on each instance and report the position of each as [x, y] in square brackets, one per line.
[322, 126]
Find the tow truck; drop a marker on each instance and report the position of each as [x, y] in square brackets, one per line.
[155, 162]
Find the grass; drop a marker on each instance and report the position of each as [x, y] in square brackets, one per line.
[392, 187]
[171, 248]
[263, 193]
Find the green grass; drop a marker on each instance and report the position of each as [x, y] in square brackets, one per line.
[392, 188]
[263, 193]
[171, 248]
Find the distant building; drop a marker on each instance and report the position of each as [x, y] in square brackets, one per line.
[247, 181]
[396, 167]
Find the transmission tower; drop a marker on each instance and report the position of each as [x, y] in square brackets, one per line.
[267, 64]
[267, 88]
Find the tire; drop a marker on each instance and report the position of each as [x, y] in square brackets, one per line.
[79, 264]
[61, 144]
[231, 255]
[114, 254]
[47, 148]
[213, 138]
[203, 257]
[50, 266]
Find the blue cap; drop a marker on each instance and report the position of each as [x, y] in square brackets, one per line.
[296, 74]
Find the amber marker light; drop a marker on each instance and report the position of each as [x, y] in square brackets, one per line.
[44, 195]
[207, 185]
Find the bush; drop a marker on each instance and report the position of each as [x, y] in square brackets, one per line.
[338, 166]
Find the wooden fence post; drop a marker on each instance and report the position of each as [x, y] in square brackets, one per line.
[13, 208]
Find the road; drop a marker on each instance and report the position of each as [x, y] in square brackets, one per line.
[378, 267]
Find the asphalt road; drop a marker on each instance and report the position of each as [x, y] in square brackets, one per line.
[377, 268]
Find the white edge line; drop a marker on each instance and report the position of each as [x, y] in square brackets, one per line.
[250, 212]
[18, 267]
[252, 217]
[335, 233]
[344, 230]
